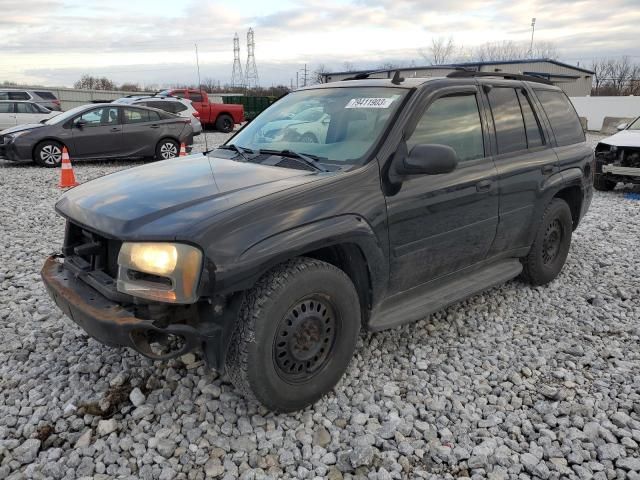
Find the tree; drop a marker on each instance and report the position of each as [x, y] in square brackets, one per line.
[318, 74]
[349, 67]
[130, 87]
[440, 52]
[210, 85]
[615, 77]
[94, 83]
[510, 50]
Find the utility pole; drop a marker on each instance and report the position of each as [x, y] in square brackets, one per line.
[533, 29]
[304, 78]
[251, 71]
[237, 79]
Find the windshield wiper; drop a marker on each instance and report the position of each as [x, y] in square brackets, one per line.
[241, 150]
[310, 160]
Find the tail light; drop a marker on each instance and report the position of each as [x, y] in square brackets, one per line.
[196, 114]
[55, 102]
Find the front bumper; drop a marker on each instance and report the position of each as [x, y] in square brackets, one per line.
[112, 324]
[625, 171]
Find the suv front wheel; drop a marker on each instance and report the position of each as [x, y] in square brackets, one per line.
[296, 333]
[551, 244]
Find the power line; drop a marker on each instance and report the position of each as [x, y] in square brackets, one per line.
[237, 80]
[251, 71]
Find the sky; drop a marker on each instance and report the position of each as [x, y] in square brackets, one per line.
[53, 42]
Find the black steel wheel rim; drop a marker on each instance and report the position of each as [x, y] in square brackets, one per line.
[227, 124]
[305, 339]
[552, 241]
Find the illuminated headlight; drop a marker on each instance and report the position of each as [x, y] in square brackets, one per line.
[166, 272]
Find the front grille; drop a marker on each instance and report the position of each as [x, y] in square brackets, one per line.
[100, 253]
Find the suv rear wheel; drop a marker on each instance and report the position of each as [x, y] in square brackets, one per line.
[296, 333]
[48, 154]
[551, 244]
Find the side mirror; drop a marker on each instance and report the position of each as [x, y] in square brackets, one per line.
[79, 123]
[622, 126]
[428, 159]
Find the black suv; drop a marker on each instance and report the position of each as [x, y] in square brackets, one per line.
[270, 253]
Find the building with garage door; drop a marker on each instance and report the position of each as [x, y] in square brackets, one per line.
[575, 81]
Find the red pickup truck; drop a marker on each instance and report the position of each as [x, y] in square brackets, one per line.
[222, 115]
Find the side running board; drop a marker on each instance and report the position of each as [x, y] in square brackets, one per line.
[422, 301]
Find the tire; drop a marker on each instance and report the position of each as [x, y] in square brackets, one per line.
[551, 244]
[167, 149]
[48, 154]
[311, 309]
[224, 123]
[308, 138]
[603, 184]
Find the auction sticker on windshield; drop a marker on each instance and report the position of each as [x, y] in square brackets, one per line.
[369, 103]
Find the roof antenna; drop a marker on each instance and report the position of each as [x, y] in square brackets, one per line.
[397, 79]
[206, 145]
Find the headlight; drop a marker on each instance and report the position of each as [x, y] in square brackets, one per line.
[13, 136]
[167, 272]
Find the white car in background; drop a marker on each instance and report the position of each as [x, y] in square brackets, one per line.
[177, 106]
[19, 112]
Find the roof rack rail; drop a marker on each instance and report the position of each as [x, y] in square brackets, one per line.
[364, 75]
[464, 73]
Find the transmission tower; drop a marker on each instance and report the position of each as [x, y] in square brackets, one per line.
[237, 79]
[251, 71]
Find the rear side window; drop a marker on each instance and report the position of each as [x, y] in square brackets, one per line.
[6, 108]
[562, 116]
[178, 107]
[154, 116]
[535, 138]
[452, 121]
[133, 115]
[46, 95]
[507, 118]
[195, 96]
[25, 108]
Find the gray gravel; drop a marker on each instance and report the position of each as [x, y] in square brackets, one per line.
[518, 382]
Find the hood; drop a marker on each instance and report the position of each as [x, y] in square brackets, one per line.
[625, 138]
[165, 199]
[20, 128]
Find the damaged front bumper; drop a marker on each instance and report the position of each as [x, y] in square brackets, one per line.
[114, 324]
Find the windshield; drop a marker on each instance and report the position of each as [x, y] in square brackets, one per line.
[635, 125]
[334, 124]
[63, 117]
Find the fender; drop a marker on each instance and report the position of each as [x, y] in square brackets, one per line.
[277, 248]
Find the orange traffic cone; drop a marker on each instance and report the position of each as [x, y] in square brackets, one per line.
[183, 150]
[67, 178]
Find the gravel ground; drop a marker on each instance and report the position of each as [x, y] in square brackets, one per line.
[518, 382]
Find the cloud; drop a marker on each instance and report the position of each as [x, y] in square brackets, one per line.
[52, 40]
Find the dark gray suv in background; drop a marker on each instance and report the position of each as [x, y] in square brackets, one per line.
[98, 131]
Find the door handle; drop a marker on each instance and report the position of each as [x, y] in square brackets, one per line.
[484, 186]
[547, 169]
[115, 129]
[155, 126]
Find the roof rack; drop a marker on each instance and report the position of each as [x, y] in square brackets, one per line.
[396, 79]
[464, 73]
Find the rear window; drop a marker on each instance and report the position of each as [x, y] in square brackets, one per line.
[562, 116]
[195, 96]
[46, 95]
